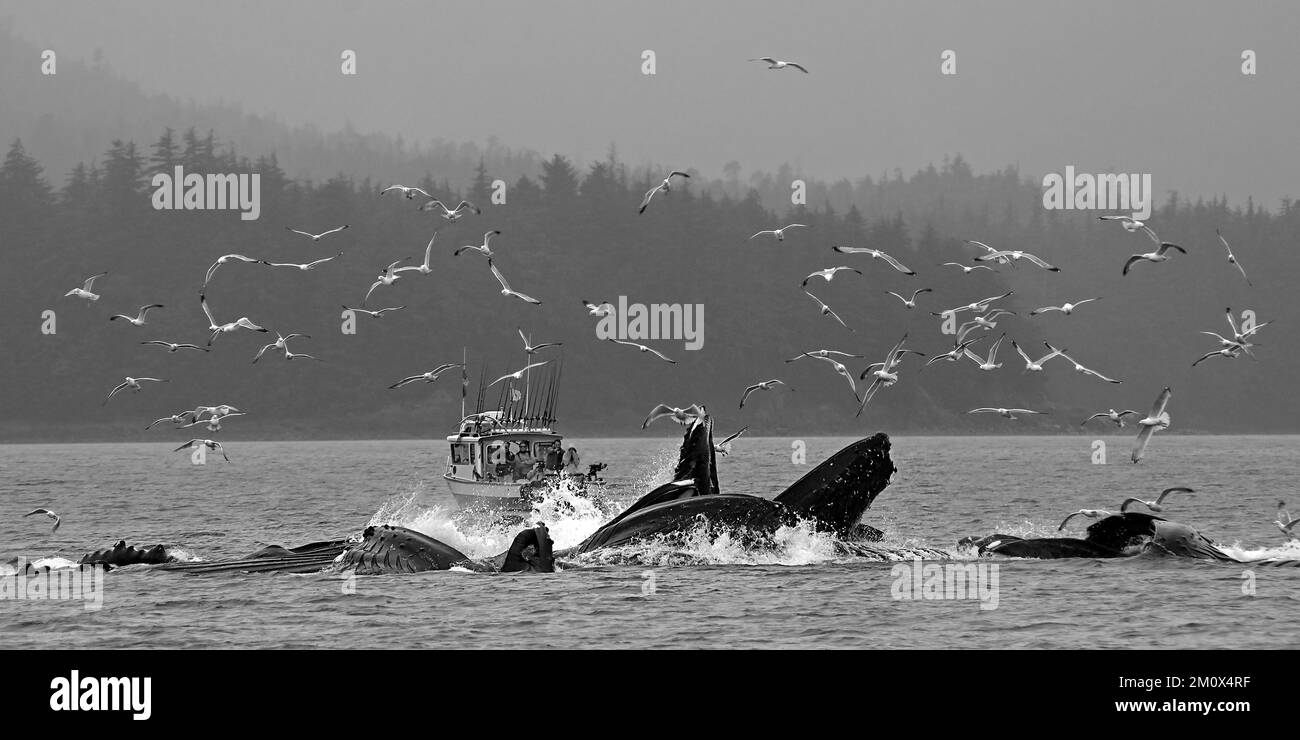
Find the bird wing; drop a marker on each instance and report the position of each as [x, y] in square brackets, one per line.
[733, 436]
[1131, 260]
[646, 200]
[500, 278]
[658, 412]
[1140, 448]
[896, 264]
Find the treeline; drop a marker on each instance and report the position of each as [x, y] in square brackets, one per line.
[571, 234]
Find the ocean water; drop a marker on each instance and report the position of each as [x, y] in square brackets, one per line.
[715, 594]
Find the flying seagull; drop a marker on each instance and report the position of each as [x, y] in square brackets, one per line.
[826, 310]
[133, 384]
[1032, 365]
[531, 349]
[1157, 256]
[687, 415]
[482, 249]
[664, 186]
[641, 347]
[57, 519]
[428, 377]
[1008, 413]
[599, 310]
[217, 329]
[408, 192]
[304, 267]
[765, 385]
[1111, 415]
[979, 306]
[505, 287]
[279, 343]
[322, 235]
[1016, 254]
[387, 277]
[910, 303]
[1065, 308]
[172, 346]
[84, 290]
[1153, 505]
[779, 64]
[988, 364]
[137, 320]
[1132, 225]
[844, 372]
[724, 447]
[1158, 419]
[518, 374]
[823, 354]
[778, 233]
[1081, 369]
[1230, 352]
[1090, 513]
[221, 261]
[427, 267]
[968, 270]
[828, 274]
[377, 313]
[876, 254]
[884, 373]
[451, 214]
[208, 443]
[1232, 259]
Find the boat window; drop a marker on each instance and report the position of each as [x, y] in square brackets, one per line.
[496, 452]
[460, 454]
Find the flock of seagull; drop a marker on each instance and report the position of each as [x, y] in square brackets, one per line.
[882, 374]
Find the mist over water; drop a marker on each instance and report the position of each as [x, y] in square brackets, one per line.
[802, 593]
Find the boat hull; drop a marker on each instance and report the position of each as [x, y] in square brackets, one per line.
[496, 496]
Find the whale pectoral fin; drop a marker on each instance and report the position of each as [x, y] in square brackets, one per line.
[836, 493]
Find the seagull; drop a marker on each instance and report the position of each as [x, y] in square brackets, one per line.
[172, 346]
[912, 302]
[1008, 413]
[1158, 419]
[1132, 225]
[1230, 352]
[876, 254]
[688, 415]
[956, 353]
[210, 444]
[885, 374]
[84, 290]
[304, 267]
[289, 355]
[483, 249]
[505, 287]
[1284, 521]
[724, 447]
[828, 274]
[57, 519]
[1003, 260]
[778, 233]
[174, 418]
[1115, 417]
[451, 214]
[518, 374]
[844, 371]
[378, 313]
[221, 261]
[323, 234]
[1080, 368]
[214, 422]
[968, 270]
[1232, 259]
[664, 186]
[1232, 344]
[428, 377]
[408, 192]
[279, 343]
[988, 364]
[387, 277]
[601, 310]
[531, 349]
[987, 321]
[1016, 254]
[1065, 308]
[218, 329]
[779, 64]
[1153, 505]
[1157, 256]
[427, 267]
[138, 320]
[133, 384]
[1031, 365]
[224, 409]
[766, 385]
[1286, 528]
[823, 354]
[979, 306]
[1238, 335]
[1090, 513]
[641, 347]
[826, 310]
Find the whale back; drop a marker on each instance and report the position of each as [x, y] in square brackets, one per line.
[389, 549]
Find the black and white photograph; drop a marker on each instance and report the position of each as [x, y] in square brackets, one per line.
[960, 336]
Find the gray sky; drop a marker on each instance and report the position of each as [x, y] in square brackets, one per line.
[1133, 86]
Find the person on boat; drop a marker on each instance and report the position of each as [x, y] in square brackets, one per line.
[523, 465]
[555, 457]
[572, 461]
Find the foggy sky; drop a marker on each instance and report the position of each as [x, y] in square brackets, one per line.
[1104, 86]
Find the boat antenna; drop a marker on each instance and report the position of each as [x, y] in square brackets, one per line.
[464, 381]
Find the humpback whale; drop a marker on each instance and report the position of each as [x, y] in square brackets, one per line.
[1118, 535]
